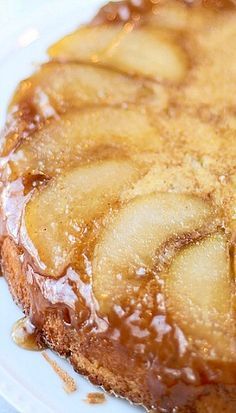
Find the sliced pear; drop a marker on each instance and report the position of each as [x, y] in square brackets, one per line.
[56, 217]
[57, 87]
[127, 250]
[84, 43]
[144, 51]
[81, 133]
[199, 292]
[74, 85]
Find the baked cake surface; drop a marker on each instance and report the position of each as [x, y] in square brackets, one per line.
[118, 202]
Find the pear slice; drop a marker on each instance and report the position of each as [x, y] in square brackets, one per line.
[74, 85]
[144, 51]
[56, 87]
[56, 217]
[199, 293]
[90, 133]
[127, 250]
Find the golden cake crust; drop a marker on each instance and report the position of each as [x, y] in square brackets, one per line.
[98, 359]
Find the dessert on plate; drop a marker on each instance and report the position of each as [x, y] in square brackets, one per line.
[118, 202]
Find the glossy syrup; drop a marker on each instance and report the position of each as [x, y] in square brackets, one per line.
[26, 335]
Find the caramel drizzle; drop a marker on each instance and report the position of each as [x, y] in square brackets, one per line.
[26, 335]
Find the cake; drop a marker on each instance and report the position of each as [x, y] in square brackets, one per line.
[118, 202]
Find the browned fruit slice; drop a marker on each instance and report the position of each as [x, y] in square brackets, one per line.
[199, 291]
[57, 87]
[56, 217]
[144, 51]
[89, 133]
[127, 249]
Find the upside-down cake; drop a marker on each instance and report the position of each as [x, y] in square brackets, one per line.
[118, 202]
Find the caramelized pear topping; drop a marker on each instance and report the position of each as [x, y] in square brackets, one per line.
[160, 55]
[129, 246]
[199, 293]
[56, 88]
[26, 335]
[118, 201]
[57, 216]
[75, 85]
[85, 134]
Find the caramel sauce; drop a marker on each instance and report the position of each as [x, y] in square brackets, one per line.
[141, 328]
[32, 181]
[26, 335]
[21, 121]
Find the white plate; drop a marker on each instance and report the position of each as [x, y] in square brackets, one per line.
[26, 380]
